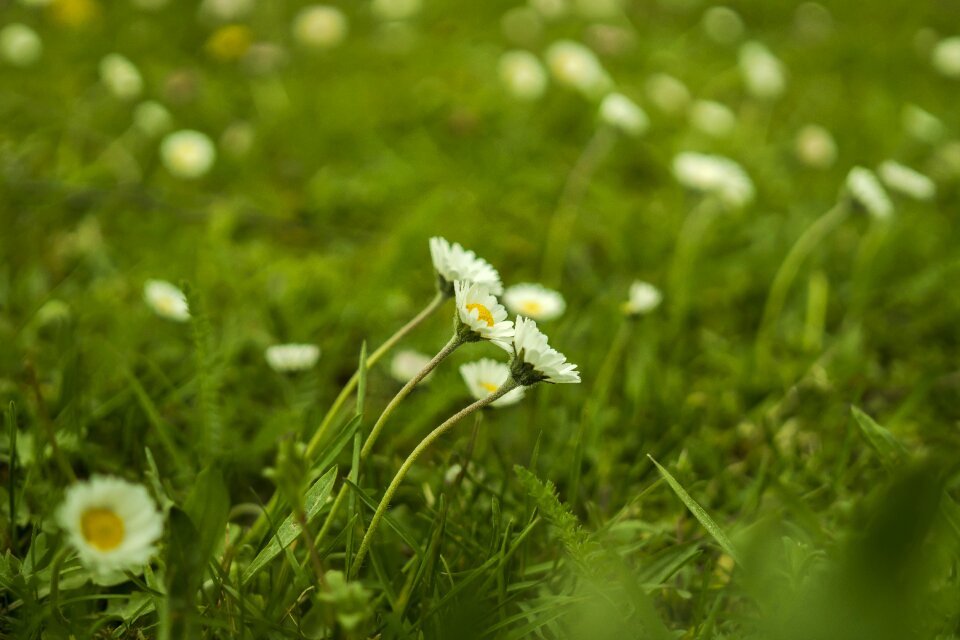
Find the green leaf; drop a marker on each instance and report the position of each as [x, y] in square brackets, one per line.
[883, 442]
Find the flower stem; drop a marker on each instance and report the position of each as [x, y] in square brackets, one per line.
[506, 387]
[689, 241]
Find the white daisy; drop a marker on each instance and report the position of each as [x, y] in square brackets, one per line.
[712, 118]
[867, 192]
[407, 363]
[20, 45]
[522, 75]
[319, 27]
[453, 262]
[121, 77]
[714, 175]
[762, 72]
[535, 360]
[187, 154]
[166, 300]
[534, 301]
[396, 9]
[292, 357]
[643, 298]
[152, 118]
[907, 181]
[815, 147]
[667, 93]
[946, 57]
[485, 376]
[620, 112]
[577, 67]
[113, 524]
[480, 316]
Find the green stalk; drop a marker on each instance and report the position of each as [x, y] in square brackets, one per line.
[691, 237]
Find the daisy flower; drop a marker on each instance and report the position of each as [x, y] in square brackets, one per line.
[187, 154]
[113, 524]
[20, 45]
[166, 300]
[319, 27]
[480, 316]
[522, 75]
[866, 191]
[762, 72]
[712, 118]
[667, 93]
[620, 112]
[946, 57]
[534, 301]
[723, 25]
[152, 118]
[907, 181]
[715, 175]
[121, 77]
[390, 10]
[485, 376]
[407, 363]
[643, 298]
[815, 147]
[292, 357]
[452, 262]
[577, 67]
[535, 360]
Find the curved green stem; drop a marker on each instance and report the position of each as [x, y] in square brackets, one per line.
[689, 241]
[506, 387]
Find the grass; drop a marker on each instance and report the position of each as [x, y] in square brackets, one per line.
[799, 385]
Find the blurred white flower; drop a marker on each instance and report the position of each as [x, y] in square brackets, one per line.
[319, 26]
[922, 124]
[620, 112]
[907, 181]
[815, 147]
[408, 363]
[20, 45]
[480, 316]
[762, 72]
[667, 93]
[187, 154]
[120, 76]
[227, 10]
[946, 57]
[576, 66]
[723, 25]
[643, 298]
[712, 118]
[550, 9]
[113, 524]
[485, 376]
[523, 75]
[715, 175]
[535, 360]
[292, 357]
[166, 300]
[534, 301]
[867, 192]
[152, 118]
[452, 262]
[396, 9]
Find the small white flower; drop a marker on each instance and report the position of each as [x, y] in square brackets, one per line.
[667, 93]
[550, 9]
[406, 364]
[921, 124]
[480, 316]
[946, 57]
[815, 147]
[152, 118]
[714, 175]
[535, 360]
[712, 118]
[227, 10]
[907, 181]
[485, 376]
[867, 192]
[762, 72]
[396, 9]
[292, 357]
[319, 27]
[187, 154]
[577, 67]
[723, 25]
[166, 300]
[121, 77]
[113, 524]
[522, 75]
[534, 301]
[453, 262]
[619, 111]
[20, 45]
[643, 298]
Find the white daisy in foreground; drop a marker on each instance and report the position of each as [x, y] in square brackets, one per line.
[576, 66]
[292, 357]
[187, 154]
[867, 192]
[534, 301]
[762, 72]
[946, 57]
[485, 376]
[407, 363]
[452, 262]
[907, 181]
[522, 75]
[715, 175]
[620, 112]
[643, 298]
[166, 300]
[667, 93]
[20, 45]
[815, 147]
[319, 27]
[113, 524]
[535, 360]
[121, 77]
[712, 118]
[480, 316]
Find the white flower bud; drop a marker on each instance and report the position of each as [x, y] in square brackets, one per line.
[619, 111]
[187, 154]
[20, 45]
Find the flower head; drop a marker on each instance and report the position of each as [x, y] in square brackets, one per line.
[406, 364]
[907, 181]
[534, 301]
[480, 316]
[292, 357]
[712, 118]
[121, 76]
[319, 27]
[815, 147]
[187, 154]
[166, 300]
[485, 376]
[620, 112]
[152, 118]
[762, 72]
[522, 75]
[577, 67]
[946, 57]
[714, 175]
[535, 360]
[20, 45]
[452, 262]
[865, 190]
[667, 93]
[113, 524]
[643, 298]
[723, 25]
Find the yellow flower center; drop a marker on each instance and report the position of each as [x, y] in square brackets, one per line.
[102, 528]
[166, 304]
[482, 313]
[531, 307]
[489, 387]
